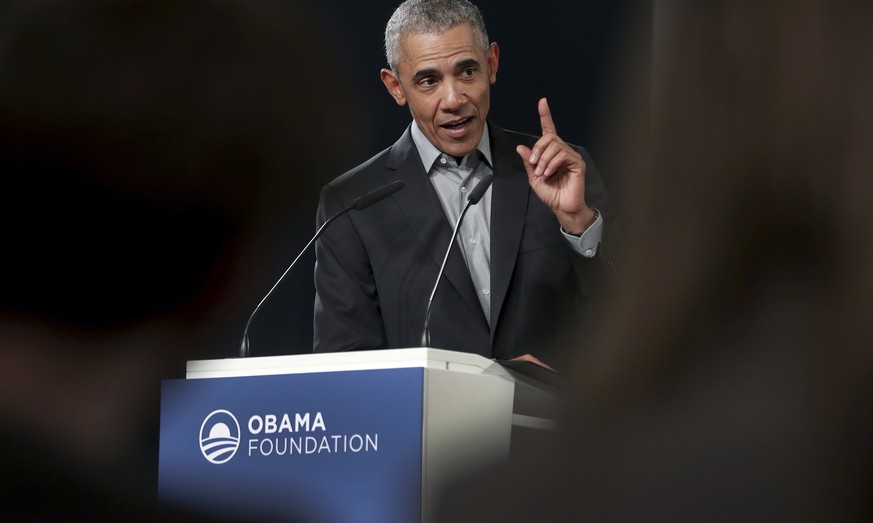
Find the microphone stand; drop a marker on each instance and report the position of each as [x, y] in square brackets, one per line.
[472, 199]
[361, 202]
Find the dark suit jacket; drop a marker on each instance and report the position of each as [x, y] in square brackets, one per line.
[375, 268]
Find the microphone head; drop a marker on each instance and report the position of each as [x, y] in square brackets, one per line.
[479, 191]
[362, 202]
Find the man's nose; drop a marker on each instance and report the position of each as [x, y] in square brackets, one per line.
[454, 96]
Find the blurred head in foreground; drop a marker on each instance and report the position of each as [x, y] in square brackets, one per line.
[147, 149]
[733, 378]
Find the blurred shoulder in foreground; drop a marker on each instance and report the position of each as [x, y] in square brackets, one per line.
[733, 378]
[151, 152]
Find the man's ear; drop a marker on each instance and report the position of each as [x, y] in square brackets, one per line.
[392, 83]
[493, 60]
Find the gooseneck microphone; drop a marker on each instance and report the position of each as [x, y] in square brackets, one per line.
[472, 199]
[359, 203]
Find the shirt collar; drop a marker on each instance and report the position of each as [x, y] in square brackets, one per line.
[429, 154]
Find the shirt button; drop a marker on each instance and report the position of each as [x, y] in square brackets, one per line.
[463, 189]
[486, 292]
[443, 161]
[474, 241]
[589, 252]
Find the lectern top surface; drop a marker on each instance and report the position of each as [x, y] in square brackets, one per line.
[421, 357]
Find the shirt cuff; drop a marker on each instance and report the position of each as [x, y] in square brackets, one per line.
[587, 243]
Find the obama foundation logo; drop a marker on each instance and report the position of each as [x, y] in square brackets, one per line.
[219, 436]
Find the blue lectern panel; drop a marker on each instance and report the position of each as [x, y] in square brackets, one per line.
[340, 446]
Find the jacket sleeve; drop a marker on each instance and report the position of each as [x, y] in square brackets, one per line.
[347, 314]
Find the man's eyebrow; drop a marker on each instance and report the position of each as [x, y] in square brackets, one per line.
[463, 64]
[424, 73]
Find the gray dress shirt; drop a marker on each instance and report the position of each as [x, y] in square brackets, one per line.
[452, 183]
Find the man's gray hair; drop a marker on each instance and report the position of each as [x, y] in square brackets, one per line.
[430, 16]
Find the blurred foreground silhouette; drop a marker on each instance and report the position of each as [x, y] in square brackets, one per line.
[152, 152]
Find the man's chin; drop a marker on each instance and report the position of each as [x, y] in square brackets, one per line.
[458, 150]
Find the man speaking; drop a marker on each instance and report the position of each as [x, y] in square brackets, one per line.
[520, 279]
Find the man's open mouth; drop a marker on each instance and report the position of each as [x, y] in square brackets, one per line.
[456, 124]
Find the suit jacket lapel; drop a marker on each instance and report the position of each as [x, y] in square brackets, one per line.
[510, 192]
[425, 214]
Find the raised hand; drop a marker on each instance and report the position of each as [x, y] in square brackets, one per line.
[556, 172]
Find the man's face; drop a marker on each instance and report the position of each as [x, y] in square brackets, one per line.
[446, 80]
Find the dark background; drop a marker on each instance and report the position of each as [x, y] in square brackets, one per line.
[147, 240]
[573, 53]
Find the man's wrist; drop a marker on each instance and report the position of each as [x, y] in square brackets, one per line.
[579, 230]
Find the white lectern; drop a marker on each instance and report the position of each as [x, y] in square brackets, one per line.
[357, 436]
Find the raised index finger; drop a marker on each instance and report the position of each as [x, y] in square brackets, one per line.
[546, 123]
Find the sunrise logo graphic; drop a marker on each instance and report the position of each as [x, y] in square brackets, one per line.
[219, 436]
